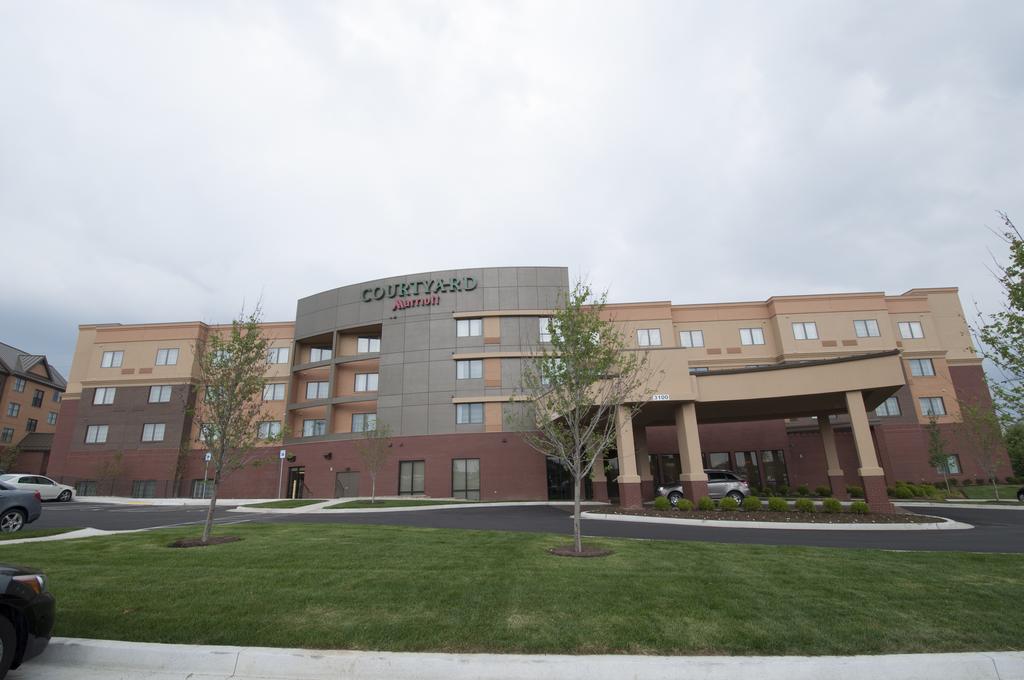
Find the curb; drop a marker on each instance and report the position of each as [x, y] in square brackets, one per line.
[962, 506]
[945, 525]
[320, 508]
[77, 655]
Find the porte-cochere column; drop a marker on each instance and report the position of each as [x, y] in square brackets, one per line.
[628, 479]
[835, 473]
[691, 465]
[871, 473]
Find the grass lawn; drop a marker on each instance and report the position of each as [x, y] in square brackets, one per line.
[406, 589]
[35, 533]
[287, 503]
[1007, 492]
[392, 504]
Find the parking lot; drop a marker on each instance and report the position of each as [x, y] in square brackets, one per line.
[996, 529]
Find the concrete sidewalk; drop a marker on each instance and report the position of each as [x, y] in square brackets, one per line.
[82, 659]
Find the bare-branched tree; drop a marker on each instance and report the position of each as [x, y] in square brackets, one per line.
[374, 450]
[937, 456]
[232, 367]
[578, 381]
[982, 436]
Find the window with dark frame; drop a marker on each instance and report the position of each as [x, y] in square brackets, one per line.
[19, 384]
[364, 422]
[51, 417]
[319, 354]
[167, 357]
[866, 328]
[466, 478]
[159, 394]
[805, 330]
[13, 409]
[469, 369]
[112, 359]
[7, 434]
[922, 367]
[910, 330]
[411, 475]
[367, 345]
[889, 407]
[366, 382]
[468, 328]
[469, 414]
[751, 336]
[691, 339]
[104, 396]
[37, 398]
[932, 406]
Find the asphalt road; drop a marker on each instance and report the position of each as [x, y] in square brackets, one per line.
[996, 530]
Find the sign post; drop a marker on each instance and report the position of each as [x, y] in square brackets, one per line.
[280, 471]
[206, 473]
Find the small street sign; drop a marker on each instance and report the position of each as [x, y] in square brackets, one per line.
[282, 454]
[209, 456]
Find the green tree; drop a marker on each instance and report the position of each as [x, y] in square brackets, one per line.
[1014, 439]
[576, 384]
[1001, 334]
[374, 450]
[982, 437]
[9, 458]
[229, 407]
[937, 456]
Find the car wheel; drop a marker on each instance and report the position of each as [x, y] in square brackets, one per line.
[64, 496]
[736, 496]
[675, 497]
[8, 645]
[11, 521]
[1020, 495]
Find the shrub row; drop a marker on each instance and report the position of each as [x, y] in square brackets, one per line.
[753, 504]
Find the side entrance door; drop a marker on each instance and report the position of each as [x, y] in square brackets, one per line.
[346, 484]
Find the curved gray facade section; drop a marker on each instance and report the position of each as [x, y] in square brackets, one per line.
[418, 335]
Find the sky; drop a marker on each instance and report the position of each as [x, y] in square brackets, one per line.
[170, 161]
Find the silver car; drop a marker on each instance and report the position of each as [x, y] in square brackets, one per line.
[721, 483]
[18, 508]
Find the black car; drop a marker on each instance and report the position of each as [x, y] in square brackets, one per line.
[1020, 494]
[27, 609]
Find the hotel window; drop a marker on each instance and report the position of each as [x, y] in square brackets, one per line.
[143, 488]
[37, 398]
[922, 367]
[55, 397]
[201, 488]
[699, 370]
[952, 465]
[932, 406]
[13, 409]
[469, 369]
[364, 422]
[7, 434]
[159, 394]
[19, 384]
[410, 477]
[153, 432]
[691, 338]
[805, 330]
[889, 407]
[910, 330]
[469, 414]
[751, 336]
[319, 354]
[544, 327]
[466, 478]
[31, 425]
[85, 488]
[104, 395]
[648, 337]
[277, 355]
[317, 390]
[867, 328]
[466, 328]
[367, 382]
[112, 359]
[273, 392]
[51, 417]
[367, 345]
[314, 427]
[96, 434]
[167, 357]
[269, 429]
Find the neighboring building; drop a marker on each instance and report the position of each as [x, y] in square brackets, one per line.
[439, 358]
[30, 397]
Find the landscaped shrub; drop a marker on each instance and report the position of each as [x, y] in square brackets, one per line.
[823, 491]
[890, 491]
[705, 504]
[728, 504]
[967, 482]
[755, 491]
[662, 503]
[804, 505]
[831, 505]
[776, 504]
[783, 490]
[855, 491]
[859, 508]
[1011, 480]
[751, 503]
[803, 490]
[903, 492]
[684, 505]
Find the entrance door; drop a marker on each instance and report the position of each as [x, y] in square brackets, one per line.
[346, 484]
[296, 480]
[560, 483]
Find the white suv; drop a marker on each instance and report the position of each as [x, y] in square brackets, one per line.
[721, 483]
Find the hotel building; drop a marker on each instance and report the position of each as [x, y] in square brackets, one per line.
[30, 394]
[809, 389]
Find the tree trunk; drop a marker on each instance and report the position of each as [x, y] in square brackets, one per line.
[995, 486]
[208, 526]
[373, 489]
[577, 541]
[946, 480]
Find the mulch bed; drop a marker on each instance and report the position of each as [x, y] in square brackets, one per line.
[817, 517]
[588, 551]
[198, 543]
